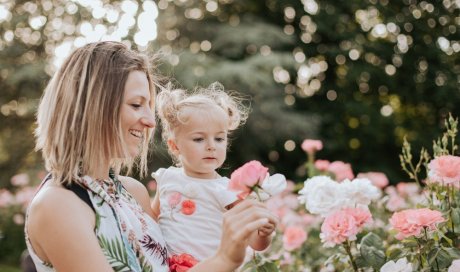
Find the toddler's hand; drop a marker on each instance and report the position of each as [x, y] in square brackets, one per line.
[267, 229]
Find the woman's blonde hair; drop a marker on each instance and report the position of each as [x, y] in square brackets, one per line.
[79, 114]
[171, 105]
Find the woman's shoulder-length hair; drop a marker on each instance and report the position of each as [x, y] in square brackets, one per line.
[78, 118]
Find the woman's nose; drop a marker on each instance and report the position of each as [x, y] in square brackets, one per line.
[148, 119]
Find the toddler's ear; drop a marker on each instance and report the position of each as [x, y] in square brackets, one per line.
[173, 147]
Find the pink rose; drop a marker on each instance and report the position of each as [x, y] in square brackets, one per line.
[25, 196]
[20, 180]
[361, 216]
[311, 146]
[245, 178]
[338, 228]
[445, 170]
[395, 202]
[6, 198]
[411, 222]
[341, 170]
[406, 189]
[322, 165]
[293, 237]
[428, 218]
[378, 179]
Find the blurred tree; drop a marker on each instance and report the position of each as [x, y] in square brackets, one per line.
[359, 75]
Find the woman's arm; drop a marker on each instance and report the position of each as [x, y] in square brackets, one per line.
[239, 222]
[61, 230]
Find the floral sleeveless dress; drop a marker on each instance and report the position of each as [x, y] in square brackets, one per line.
[129, 238]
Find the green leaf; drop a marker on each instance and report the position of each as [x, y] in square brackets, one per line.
[394, 253]
[268, 267]
[453, 252]
[456, 219]
[372, 240]
[373, 256]
[439, 258]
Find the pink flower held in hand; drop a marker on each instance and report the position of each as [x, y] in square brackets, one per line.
[246, 177]
[338, 228]
[311, 146]
[445, 170]
[411, 222]
[293, 237]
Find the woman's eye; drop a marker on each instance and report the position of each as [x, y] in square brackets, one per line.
[136, 105]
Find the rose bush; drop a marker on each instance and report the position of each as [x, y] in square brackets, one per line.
[348, 223]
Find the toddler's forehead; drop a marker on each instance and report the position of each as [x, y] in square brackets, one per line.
[203, 116]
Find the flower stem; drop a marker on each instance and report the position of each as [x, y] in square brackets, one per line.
[346, 245]
[420, 253]
[449, 195]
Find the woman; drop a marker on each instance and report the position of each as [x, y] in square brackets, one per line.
[95, 118]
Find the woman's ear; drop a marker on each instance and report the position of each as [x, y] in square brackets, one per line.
[173, 147]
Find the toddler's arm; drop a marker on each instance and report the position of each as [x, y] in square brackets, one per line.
[155, 205]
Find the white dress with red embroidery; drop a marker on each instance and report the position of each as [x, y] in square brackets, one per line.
[191, 211]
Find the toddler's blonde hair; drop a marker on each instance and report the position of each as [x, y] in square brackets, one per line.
[172, 103]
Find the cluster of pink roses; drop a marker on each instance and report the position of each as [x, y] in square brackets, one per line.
[344, 225]
[343, 205]
[412, 222]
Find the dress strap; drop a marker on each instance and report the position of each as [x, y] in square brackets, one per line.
[81, 192]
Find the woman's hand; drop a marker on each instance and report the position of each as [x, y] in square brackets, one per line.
[239, 223]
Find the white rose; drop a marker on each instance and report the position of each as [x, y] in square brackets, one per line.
[321, 195]
[359, 192]
[274, 185]
[455, 266]
[400, 266]
[260, 195]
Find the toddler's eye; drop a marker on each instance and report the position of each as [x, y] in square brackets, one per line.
[220, 139]
[198, 139]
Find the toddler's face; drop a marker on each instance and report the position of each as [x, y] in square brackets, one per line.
[201, 142]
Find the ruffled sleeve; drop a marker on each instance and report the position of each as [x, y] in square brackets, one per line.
[224, 196]
[159, 176]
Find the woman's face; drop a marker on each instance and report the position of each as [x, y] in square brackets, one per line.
[136, 116]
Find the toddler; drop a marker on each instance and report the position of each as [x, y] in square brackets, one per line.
[192, 197]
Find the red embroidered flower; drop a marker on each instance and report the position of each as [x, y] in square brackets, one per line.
[188, 207]
[181, 263]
